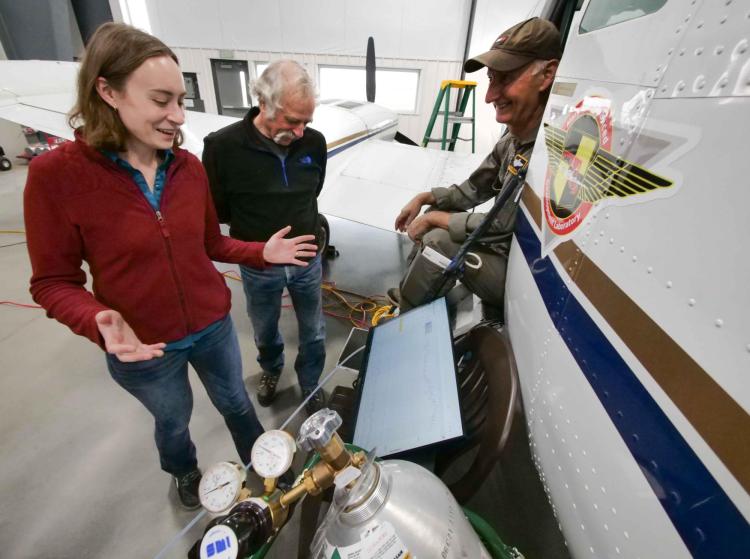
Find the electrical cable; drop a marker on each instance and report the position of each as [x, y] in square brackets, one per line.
[361, 311]
[23, 305]
[12, 232]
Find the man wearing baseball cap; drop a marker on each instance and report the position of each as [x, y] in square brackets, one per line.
[521, 66]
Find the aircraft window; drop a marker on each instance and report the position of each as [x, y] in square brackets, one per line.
[603, 13]
[350, 104]
[396, 88]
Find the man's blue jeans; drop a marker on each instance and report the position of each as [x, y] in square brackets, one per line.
[263, 289]
[161, 384]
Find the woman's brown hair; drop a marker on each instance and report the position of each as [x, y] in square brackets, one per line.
[114, 51]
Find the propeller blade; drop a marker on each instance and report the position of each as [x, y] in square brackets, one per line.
[370, 70]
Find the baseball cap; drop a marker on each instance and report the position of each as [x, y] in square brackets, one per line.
[522, 43]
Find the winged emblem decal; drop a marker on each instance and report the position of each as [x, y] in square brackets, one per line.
[583, 171]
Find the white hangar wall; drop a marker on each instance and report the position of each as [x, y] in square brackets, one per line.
[424, 35]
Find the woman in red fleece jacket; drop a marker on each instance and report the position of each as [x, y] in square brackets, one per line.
[126, 199]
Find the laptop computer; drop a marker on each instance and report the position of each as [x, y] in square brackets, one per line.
[408, 392]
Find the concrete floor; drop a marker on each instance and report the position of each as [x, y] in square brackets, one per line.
[80, 476]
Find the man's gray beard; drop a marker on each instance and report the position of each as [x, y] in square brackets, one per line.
[281, 136]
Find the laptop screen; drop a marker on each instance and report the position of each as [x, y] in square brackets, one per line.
[408, 393]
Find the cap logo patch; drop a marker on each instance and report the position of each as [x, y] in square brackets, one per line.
[500, 41]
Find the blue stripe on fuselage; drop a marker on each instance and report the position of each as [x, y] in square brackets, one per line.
[703, 514]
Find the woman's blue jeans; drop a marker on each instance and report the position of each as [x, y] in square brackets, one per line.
[161, 384]
[263, 290]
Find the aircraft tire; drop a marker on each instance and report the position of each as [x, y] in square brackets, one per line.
[5, 164]
[324, 235]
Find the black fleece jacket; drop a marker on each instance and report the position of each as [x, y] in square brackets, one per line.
[256, 191]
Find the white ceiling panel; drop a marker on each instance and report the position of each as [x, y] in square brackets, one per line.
[251, 25]
[314, 26]
[382, 21]
[419, 29]
[177, 22]
[435, 29]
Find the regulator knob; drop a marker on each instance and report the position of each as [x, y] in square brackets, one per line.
[318, 430]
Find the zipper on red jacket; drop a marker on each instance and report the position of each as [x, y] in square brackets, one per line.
[180, 291]
[122, 175]
[162, 224]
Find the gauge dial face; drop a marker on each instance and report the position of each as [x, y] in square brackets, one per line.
[273, 453]
[220, 486]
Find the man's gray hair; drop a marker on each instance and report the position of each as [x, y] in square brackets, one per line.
[538, 66]
[280, 78]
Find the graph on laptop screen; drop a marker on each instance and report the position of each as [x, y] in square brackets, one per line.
[409, 396]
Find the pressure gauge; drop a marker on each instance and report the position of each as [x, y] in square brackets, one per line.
[272, 453]
[220, 486]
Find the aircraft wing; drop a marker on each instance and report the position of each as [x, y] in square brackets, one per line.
[379, 178]
[38, 94]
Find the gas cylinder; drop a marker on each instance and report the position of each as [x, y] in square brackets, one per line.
[396, 509]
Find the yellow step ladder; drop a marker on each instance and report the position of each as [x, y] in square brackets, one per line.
[465, 90]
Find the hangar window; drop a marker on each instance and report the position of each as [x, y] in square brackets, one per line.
[603, 13]
[395, 88]
[259, 68]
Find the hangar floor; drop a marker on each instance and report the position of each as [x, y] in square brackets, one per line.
[80, 475]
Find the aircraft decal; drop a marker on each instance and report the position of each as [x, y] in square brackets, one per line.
[701, 511]
[583, 172]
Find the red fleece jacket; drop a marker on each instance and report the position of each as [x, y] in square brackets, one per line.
[79, 205]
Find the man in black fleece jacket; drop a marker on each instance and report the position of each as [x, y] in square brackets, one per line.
[266, 172]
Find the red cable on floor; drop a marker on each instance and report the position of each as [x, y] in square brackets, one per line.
[20, 305]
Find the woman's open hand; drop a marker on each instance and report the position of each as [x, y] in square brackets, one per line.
[121, 341]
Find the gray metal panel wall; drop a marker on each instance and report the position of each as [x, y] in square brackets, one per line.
[38, 29]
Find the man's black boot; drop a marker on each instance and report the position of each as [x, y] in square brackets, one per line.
[187, 489]
[267, 389]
